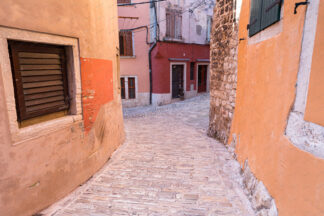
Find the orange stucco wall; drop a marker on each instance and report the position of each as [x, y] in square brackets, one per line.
[97, 80]
[315, 101]
[267, 74]
[40, 170]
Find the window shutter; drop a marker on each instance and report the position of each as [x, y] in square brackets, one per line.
[168, 23]
[129, 43]
[172, 22]
[122, 85]
[178, 28]
[40, 79]
[131, 88]
[270, 12]
[255, 17]
[121, 44]
[123, 1]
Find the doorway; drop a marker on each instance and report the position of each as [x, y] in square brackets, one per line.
[177, 82]
[202, 78]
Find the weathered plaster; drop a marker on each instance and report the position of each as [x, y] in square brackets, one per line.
[306, 135]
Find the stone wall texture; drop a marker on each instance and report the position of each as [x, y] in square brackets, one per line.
[223, 74]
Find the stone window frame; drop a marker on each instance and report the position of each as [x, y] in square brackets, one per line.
[20, 135]
[307, 136]
[208, 75]
[126, 88]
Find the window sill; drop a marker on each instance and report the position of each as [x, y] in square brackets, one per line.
[173, 39]
[44, 128]
[267, 33]
[128, 57]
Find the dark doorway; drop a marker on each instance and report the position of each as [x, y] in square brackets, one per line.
[177, 81]
[202, 78]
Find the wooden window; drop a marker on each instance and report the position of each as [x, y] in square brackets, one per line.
[126, 43]
[131, 88]
[122, 85]
[263, 13]
[39, 78]
[123, 1]
[173, 24]
[192, 70]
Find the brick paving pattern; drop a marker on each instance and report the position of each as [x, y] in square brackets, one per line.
[167, 166]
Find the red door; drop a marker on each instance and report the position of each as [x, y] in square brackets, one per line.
[202, 78]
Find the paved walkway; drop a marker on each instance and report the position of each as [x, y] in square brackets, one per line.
[167, 166]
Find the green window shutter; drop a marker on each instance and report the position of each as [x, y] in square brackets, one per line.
[255, 17]
[270, 12]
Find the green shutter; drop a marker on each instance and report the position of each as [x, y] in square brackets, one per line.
[255, 17]
[270, 12]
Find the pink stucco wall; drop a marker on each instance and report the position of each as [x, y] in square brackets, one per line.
[137, 65]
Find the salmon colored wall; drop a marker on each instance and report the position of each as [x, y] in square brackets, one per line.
[41, 170]
[315, 101]
[138, 66]
[161, 63]
[267, 74]
[97, 80]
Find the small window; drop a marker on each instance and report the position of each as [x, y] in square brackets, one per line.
[131, 88]
[123, 1]
[122, 85]
[192, 70]
[40, 79]
[126, 43]
[173, 24]
[263, 13]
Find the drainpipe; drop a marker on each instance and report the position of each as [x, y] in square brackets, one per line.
[150, 51]
[150, 69]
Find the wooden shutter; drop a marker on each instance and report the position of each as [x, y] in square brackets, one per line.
[123, 1]
[192, 70]
[122, 85]
[40, 79]
[129, 43]
[270, 12]
[255, 17]
[178, 24]
[172, 24]
[131, 88]
[168, 23]
[121, 43]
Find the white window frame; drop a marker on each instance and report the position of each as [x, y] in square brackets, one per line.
[20, 135]
[126, 87]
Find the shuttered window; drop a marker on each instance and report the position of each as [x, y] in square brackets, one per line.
[40, 79]
[123, 1]
[126, 43]
[263, 14]
[122, 86]
[192, 70]
[131, 88]
[173, 24]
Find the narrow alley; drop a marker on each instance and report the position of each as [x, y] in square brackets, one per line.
[167, 166]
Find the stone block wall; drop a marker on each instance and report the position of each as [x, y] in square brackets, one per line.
[223, 72]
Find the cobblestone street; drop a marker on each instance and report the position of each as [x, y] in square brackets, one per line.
[167, 166]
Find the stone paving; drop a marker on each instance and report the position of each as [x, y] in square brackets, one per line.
[167, 166]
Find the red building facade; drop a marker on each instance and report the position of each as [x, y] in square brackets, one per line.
[179, 70]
